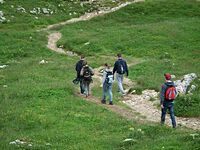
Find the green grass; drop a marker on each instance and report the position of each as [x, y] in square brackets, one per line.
[39, 104]
[164, 33]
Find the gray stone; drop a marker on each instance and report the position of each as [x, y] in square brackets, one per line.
[20, 8]
[182, 85]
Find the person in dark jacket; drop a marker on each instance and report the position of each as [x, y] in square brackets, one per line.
[167, 104]
[86, 74]
[79, 66]
[121, 68]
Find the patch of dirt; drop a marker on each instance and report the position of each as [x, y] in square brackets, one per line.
[89, 16]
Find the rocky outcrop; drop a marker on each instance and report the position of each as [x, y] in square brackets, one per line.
[183, 84]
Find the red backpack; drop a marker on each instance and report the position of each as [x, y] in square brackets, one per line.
[170, 93]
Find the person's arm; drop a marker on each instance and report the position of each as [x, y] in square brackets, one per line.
[76, 68]
[162, 95]
[126, 67]
[114, 68]
[104, 76]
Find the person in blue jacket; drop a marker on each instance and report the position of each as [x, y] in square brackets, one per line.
[167, 97]
[121, 68]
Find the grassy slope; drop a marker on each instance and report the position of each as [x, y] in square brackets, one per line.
[165, 33]
[38, 105]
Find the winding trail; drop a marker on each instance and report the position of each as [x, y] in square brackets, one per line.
[141, 104]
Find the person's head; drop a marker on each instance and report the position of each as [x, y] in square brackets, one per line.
[119, 55]
[107, 65]
[82, 56]
[167, 76]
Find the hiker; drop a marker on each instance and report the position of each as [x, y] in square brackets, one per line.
[107, 84]
[167, 97]
[79, 66]
[121, 68]
[86, 74]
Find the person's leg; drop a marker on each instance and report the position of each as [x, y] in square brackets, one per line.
[119, 78]
[171, 111]
[81, 86]
[104, 93]
[110, 94]
[87, 89]
[163, 114]
[84, 87]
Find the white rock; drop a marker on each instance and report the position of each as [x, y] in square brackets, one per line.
[128, 140]
[45, 10]
[3, 66]
[20, 8]
[87, 43]
[43, 62]
[13, 142]
[5, 86]
[182, 85]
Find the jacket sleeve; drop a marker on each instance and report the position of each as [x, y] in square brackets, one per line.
[91, 70]
[162, 94]
[115, 68]
[76, 68]
[126, 67]
[104, 76]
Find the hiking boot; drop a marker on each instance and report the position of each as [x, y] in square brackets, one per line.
[103, 101]
[110, 103]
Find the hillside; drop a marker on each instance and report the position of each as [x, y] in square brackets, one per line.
[41, 108]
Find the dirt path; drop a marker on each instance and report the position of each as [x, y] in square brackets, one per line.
[89, 16]
[141, 104]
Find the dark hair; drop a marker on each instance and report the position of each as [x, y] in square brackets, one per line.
[119, 55]
[82, 56]
[107, 65]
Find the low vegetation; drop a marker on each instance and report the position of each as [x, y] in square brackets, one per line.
[38, 102]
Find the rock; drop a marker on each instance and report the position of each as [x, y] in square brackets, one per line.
[2, 18]
[45, 10]
[182, 85]
[128, 140]
[43, 62]
[20, 8]
[5, 86]
[3, 66]
[192, 88]
[1, 1]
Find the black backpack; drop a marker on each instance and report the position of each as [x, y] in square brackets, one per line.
[120, 68]
[87, 74]
[109, 77]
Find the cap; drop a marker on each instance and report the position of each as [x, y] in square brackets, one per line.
[167, 76]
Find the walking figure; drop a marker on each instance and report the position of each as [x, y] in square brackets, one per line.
[107, 84]
[167, 97]
[121, 68]
[86, 74]
[79, 66]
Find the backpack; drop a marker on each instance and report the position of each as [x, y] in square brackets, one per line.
[120, 68]
[170, 93]
[87, 74]
[109, 77]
